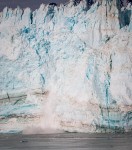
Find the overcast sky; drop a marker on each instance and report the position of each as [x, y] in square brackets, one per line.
[33, 4]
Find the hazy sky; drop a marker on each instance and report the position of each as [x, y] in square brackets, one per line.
[33, 4]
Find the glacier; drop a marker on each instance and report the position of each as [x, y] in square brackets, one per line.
[66, 68]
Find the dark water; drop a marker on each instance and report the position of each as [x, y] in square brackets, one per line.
[67, 141]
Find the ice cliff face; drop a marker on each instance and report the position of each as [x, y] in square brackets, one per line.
[66, 68]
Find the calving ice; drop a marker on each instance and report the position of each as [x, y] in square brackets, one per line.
[66, 68]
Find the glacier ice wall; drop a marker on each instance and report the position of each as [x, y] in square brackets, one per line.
[66, 68]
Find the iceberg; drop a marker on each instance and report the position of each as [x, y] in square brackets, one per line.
[66, 68]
